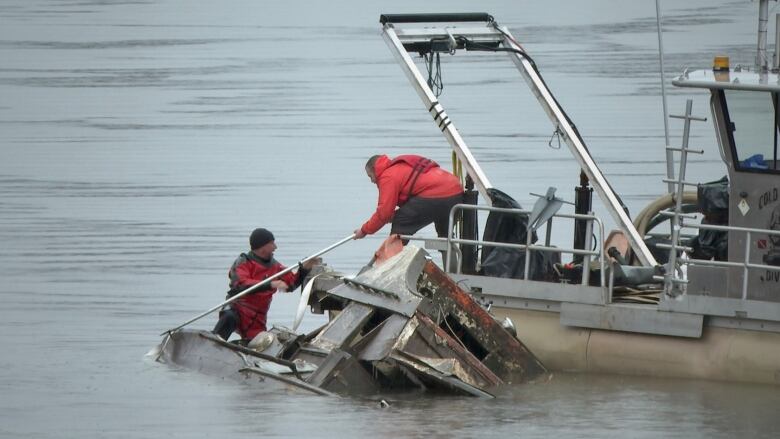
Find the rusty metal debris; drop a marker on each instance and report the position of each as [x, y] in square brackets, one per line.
[400, 324]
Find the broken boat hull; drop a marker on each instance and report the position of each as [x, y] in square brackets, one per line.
[401, 324]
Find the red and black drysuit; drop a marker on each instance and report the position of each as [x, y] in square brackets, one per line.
[248, 315]
[424, 193]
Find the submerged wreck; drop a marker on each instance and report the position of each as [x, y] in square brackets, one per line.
[400, 324]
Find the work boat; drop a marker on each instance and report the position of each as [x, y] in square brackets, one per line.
[699, 300]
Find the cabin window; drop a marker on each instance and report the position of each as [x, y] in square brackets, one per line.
[754, 119]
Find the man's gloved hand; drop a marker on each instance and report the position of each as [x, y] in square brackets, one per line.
[310, 263]
[280, 285]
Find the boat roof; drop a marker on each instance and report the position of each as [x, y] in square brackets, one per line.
[734, 79]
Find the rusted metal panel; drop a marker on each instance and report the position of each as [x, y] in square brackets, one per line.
[424, 339]
[504, 354]
[432, 378]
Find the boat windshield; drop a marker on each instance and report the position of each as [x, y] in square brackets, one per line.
[753, 115]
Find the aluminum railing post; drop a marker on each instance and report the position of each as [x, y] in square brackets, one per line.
[747, 266]
[588, 246]
[528, 234]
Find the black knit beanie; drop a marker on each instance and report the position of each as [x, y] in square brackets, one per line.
[259, 238]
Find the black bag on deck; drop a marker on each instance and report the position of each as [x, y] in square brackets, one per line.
[510, 228]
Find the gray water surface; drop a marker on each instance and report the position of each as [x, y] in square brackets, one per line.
[141, 142]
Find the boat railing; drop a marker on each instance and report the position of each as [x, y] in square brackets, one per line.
[447, 245]
[745, 263]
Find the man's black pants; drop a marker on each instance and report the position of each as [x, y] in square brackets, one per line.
[227, 323]
[418, 212]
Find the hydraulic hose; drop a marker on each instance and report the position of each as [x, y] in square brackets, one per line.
[643, 219]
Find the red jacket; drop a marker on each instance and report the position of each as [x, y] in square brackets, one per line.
[252, 309]
[394, 179]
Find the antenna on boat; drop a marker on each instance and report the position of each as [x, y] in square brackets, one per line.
[669, 155]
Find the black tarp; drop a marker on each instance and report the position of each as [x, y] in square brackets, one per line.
[713, 203]
[713, 200]
[511, 228]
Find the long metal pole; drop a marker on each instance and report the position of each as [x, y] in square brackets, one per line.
[436, 110]
[264, 282]
[579, 151]
[669, 154]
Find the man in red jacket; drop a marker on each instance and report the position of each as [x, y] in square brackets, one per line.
[248, 314]
[424, 193]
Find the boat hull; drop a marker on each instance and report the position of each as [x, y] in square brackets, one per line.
[723, 354]
[203, 352]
